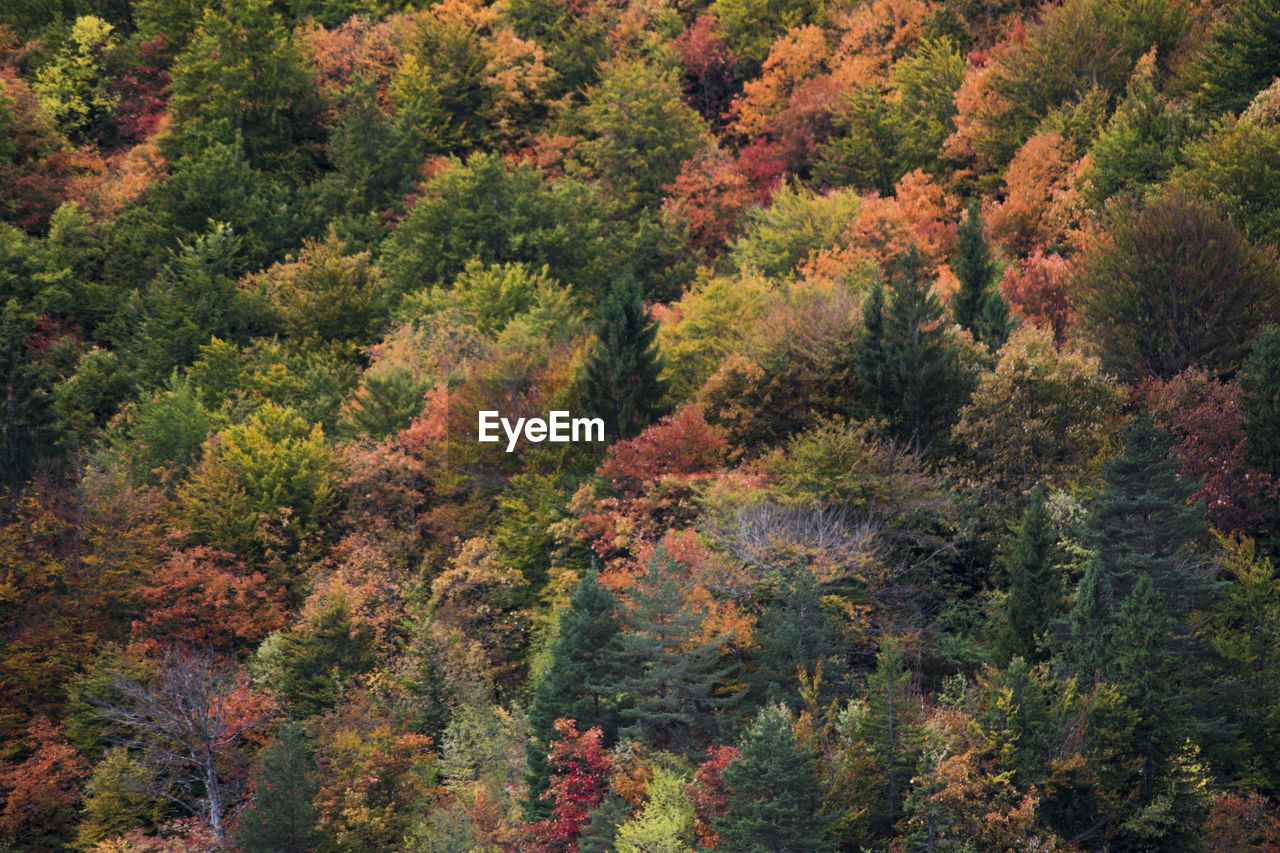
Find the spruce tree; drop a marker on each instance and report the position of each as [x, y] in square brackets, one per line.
[1239, 60]
[1260, 399]
[978, 306]
[1087, 640]
[580, 684]
[888, 728]
[673, 686]
[282, 818]
[622, 383]
[870, 361]
[774, 801]
[1034, 600]
[795, 633]
[1143, 522]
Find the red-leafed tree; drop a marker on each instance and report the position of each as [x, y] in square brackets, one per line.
[206, 598]
[40, 792]
[709, 796]
[1037, 288]
[1241, 822]
[143, 91]
[579, 780]
[712, 75]
[710, 195]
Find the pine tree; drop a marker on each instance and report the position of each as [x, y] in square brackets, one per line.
[579, 683]
[974, 268]
[622, 383]
[870, 361]
[888, 730]
[795, 633]
[1143, 524]
[282, 818]
[774, 801]
[600, 832]
[1260, 399]
[924, 385]
[1087, 644]
[674, 687]
[1034, 600]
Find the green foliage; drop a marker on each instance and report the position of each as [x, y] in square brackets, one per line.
[642, 132]
[780, 237]
[978, 306]
[886, 726]
[796, 634]
[621, 380]
[1035, 595]
[580, 684]
[307, 668]
[665, 824]
[72, 85]
[491, 296]
[1239, 60]
[243, 74]
[1224, 289]
[282, 818]
[1260, 399]
[774, 799]
[488, 211]
[751, 27]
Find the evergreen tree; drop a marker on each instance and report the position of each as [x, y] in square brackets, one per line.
[1239, 60]
[1143, 523]
[1034, 599]
[1260, 399]
[1087, 642]
[774, 801]
[579, 684]
[888, 729]
[282, 818]
[673, 685]
[622, 384]
[602, 829]
[870, 360]
[978, 306]
[923, 383]
[795, 633]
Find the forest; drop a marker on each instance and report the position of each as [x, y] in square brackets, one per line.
[937, 349]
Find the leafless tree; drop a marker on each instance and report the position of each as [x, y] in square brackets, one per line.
[187, 724]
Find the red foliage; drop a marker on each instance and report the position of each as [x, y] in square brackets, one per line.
[40, 793]
[35, 160]
[711, 73]
[762, 164]
[1243, 823]
[1203, 416]
[710, 195]
[143, 95]
[709, 796]
[579, 781]
[1037, 289]
[206, 598]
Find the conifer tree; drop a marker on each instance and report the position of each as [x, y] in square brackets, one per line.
[622, 384]
[978, 306]
[1089, 624]
[870, 360]
[1142, 523]
[774, 801]
[1260, 399]
[673, 686]
[579, 684]
[1033, 593]
[282, 818]
[795, 633]
[887, 728]
[1239, 60]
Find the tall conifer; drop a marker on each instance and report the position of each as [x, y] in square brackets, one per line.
[622, 376]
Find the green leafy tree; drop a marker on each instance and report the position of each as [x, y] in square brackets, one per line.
[242, 75]
[774, 802]
[72, 85]
[622, 381]
[1239, 60]
[580, 684]
[1035, 599]
[282, 818]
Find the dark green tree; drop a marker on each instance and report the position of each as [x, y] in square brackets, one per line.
[910, 371]
[282, 818]
[1086, 643]
[621, 381]
[1034, 597]
[579, 684]
[674, 679]
[795, 633]
[1260, 399]
[1239, 60]
[870, 361]
[774, 800]
[889, 731]
[978, 306]
[600, 832]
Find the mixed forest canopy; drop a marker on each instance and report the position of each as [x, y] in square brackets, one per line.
[937, 345]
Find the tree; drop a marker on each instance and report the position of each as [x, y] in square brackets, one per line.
[579, 780]
[1176, 284]
[774, 801]
[586, 663]
[795, 635]
[1034, 596]
[189, 724]
[665, 822]
[887, 729]
[1260, 399]
[242, 75]
[282, 818]
[978, 306]
[1238, 61]
[674, 677]
[621, 378]
[40, 791]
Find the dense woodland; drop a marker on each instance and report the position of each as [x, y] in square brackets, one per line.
[936, 345]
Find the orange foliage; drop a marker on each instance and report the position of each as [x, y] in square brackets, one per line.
[119, 179]
[1037, 288]
[358, 49]
[1241, 822]
[710, 195]
[873, 36]
[1036, 181]
[41, 792]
